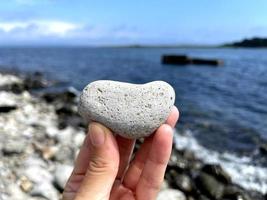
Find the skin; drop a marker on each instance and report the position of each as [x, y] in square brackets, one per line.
[103, 169]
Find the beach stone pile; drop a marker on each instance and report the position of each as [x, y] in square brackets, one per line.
[40, 136]
[36, 154]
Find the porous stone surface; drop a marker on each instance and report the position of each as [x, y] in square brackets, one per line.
[130, 110]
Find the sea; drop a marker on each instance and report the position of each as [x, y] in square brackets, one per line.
[223, 110]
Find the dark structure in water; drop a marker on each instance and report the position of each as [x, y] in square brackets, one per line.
[185, 60]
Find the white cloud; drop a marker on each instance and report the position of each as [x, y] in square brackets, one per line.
[63, 32]
[7, 27]
[39, 28]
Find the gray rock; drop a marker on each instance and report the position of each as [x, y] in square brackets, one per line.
[130, 110]
[235, 192]
[65, 154]
[11, 147]
[210, 186]
[171, 194]
[218, 172]
[184, 183]
[263, 149]
[203, 197]
[62, 173]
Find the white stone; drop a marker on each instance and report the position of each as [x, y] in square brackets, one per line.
[66, 135]
[7, 79]
[130, 110]
[78, 139]
[62, 173]
[171, 194]
[45, 190]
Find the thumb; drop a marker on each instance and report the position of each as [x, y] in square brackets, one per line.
[103, 164]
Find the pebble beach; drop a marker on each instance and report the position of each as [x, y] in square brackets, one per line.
[41, 133]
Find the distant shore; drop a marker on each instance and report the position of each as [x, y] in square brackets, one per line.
[249, 43]
[245, 43]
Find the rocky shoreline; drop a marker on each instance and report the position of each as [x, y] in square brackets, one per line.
[41, 133]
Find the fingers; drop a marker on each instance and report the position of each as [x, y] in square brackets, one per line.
[78, 173]
[154, 169]
[120, 192]
[173, 117]
[89, 156]
[102, 166]
[135, 169]
[126, 147]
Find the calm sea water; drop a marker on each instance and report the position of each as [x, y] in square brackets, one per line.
[224, 107]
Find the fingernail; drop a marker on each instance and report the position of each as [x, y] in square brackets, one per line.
[96, 134]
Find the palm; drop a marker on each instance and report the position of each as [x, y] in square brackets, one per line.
[139, 179]
[142, 178]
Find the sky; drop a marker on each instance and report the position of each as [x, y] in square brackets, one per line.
[122, 22]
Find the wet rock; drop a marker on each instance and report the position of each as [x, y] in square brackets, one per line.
[218, 172]
[62, 174]
[235, 193]
[7, 108]
[209, 186]
[165, 185]
[178, 162]
[171, 194]
[68, 116]
[71, 120]
[170, 176]
[202, 197]
[130, 110]
[189, 155]
[263, 149]
[190, 198]
[65, 109]
[68, 96]
[17, 88]
[35, 81]
[184, 183]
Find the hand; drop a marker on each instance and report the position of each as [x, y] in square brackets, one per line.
[103, 169]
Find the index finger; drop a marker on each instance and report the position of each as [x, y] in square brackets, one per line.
[157, 159]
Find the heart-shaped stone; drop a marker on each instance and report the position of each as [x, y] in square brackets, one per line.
[130, 110]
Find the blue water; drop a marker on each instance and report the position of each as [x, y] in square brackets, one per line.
[225, 107]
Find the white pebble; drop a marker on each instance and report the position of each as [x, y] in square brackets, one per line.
[130, 110]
